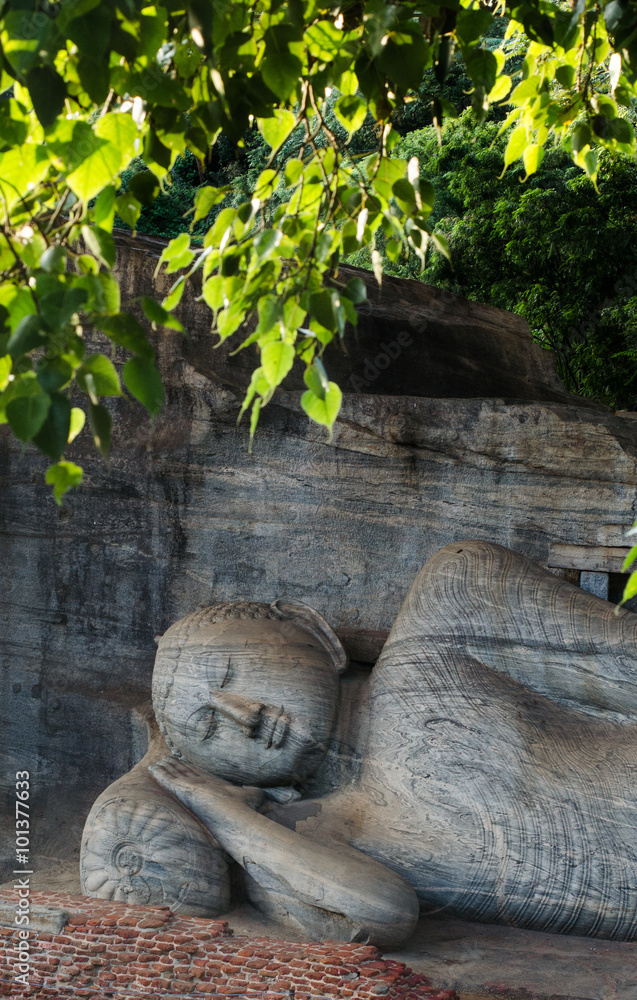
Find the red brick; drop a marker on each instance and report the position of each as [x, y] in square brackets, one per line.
[152, 922]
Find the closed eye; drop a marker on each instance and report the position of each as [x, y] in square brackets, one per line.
[202, 724]
[228, 674]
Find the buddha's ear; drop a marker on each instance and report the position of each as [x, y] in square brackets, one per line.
[303, 614]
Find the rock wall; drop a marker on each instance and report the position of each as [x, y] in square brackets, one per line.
[184, 516]
[80, 947]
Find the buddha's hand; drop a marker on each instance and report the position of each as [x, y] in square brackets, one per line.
[330, 891]
[196, 789]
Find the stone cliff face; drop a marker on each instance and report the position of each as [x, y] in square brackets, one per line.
[184, 516]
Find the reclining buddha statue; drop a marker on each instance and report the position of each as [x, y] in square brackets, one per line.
[488, 770]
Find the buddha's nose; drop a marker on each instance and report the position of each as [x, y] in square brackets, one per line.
[244, 712]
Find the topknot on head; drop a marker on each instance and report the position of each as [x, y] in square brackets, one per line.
[226, 611]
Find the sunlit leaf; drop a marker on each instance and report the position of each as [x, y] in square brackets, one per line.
[276, 129]
[277, 359]
[103, 373]
[63, 476]
[323, 410]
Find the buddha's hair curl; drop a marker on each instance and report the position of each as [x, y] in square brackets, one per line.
[181, 631]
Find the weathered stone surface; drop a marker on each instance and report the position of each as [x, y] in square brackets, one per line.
[411, 339]
[42, 918]
[488, 961]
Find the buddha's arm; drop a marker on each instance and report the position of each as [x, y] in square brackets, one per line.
[330, 890]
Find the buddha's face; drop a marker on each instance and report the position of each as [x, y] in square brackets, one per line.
[252, 701]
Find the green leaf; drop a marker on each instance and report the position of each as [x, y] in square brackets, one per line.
[27, 335]
[213, 292]
[144, 186]
[258, 384]
[351, 112]
[110, 292]
[100, 243]
[482, 67]
[155, 151]
[53, 260]
[630, 558]
[580, 137]
[500, 89]
[472, 25]
[356, 291]
[5, 370]
[254, 419]
[590, 165]
[104, 209]
[321, 308]
[16, 165]
[281, 72]
[124, 329]
[405, 192]
[516, 145]
[275, 130]
[315, 378]
[63, 476]
[48, 93]
[94, 76]
[27, 414]
[128, 208]
[630, 590]
[78, 419]
[441, 245]
[120, 131]
[100, 421]
[53, 373]
[101, 152]
[176, 255]
[323, 411]
[620, 130]
[277, 359]
[160, 316]
[293, 172]
[270, 313]
[103, 373]
[206, 198]
[266, 241]
[532, 158]
[229, 320]
[404, 57]
[53, 436]
[174, 297]
[143, 381]
[565, 75]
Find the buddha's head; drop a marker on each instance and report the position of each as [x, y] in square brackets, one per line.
[249, 691]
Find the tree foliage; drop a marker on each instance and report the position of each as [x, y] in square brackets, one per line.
[552, 249]
[92, 86]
